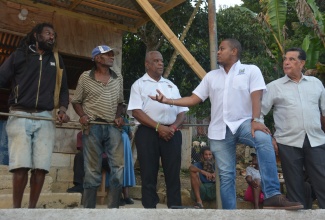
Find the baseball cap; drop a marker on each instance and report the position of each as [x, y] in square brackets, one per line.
[100, 49]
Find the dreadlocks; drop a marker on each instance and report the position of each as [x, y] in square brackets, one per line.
[30, 38]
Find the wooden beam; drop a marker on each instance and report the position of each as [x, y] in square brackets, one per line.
[157, 2]
[119, 8]
[74, 15]
[114, 11]
[160, 11]
[12, 32]
[171, 37]
[74, 4]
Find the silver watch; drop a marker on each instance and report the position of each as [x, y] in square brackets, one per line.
[258, 120]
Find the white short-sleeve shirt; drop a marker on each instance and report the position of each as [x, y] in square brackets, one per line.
[254, 173]
[162, 113]
[230, 96]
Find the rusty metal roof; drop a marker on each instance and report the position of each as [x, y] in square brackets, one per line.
[123, 14]
[128, 14]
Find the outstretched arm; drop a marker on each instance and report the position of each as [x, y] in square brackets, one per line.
[185, 101]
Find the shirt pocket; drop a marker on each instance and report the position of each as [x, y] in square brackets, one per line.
[240, 82]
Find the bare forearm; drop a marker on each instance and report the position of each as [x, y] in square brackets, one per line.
[179, 120]
[256, 97]
[194, 169]
[119, 110]
[185, 101]
[78, 109]
[143, 118]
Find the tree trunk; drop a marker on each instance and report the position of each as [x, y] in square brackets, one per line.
[175, 54]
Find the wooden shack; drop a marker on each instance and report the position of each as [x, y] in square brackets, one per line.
[80, 25]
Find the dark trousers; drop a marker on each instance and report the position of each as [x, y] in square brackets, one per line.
[295, 162]
[150, 149]
[78, 169]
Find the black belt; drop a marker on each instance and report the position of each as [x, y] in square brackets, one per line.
[100, 120]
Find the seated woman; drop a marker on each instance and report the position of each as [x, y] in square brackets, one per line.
[253, 178]
[203, 178]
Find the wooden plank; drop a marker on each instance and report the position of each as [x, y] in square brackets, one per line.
[9, 17]
[80, 37]
[56, 10]
[171, 4]
[75, 4]
[171, 37]
[120, 9]
[116, 11]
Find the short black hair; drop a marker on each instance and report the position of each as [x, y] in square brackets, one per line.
[302, 54]
[235, 44]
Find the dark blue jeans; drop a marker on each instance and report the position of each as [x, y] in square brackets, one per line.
[108, 139]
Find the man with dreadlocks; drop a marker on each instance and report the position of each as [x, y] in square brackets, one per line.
[32, 70]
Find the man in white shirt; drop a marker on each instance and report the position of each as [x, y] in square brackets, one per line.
[298, 101]
[158, 135]
[235, 91]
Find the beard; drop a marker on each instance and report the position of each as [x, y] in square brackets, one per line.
[220, 63]
[43, 44]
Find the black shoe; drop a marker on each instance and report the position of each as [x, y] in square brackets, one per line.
[76, 189]
[281, 202]
[122, 202]
[129, 201]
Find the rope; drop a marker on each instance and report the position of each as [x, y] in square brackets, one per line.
[74, 121]
[52, 119]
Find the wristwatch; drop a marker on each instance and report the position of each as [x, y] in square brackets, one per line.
[258, 120]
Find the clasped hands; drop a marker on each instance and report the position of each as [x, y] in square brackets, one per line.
[209, 176]
[165, 132]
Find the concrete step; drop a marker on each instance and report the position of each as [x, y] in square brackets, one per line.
[160, 214]
[4, 170]
[46, 200]
[6, 184]
[135, 192]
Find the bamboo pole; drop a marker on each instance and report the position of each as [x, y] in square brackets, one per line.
[50, 119]
[213, 63]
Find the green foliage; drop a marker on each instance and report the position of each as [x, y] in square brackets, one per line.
[182, 75]
[314, 41]
[312, 46]
[252, 5]
[133, 56]
[259, 45]
[276, 17]
[240, 23]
